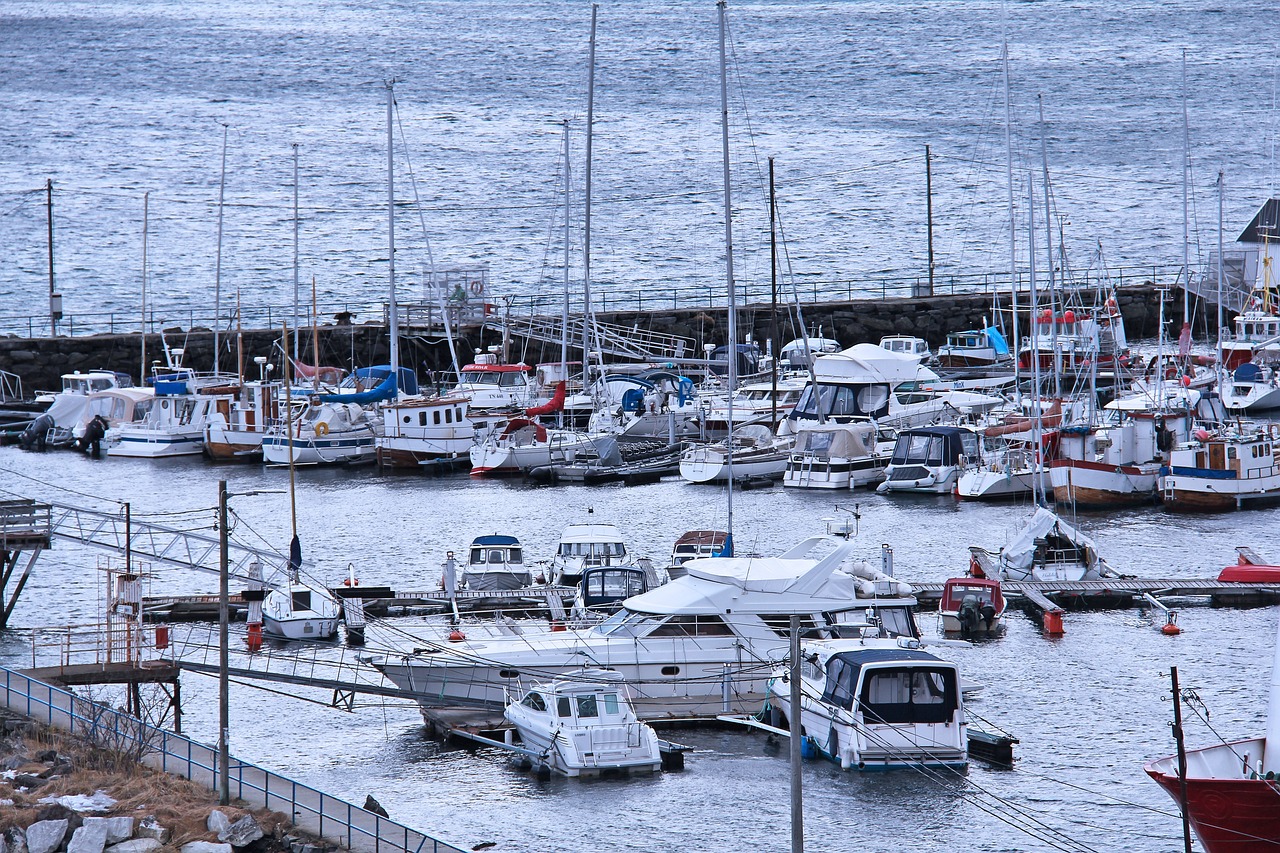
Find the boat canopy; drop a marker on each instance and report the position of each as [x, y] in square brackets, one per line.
[846, 441]
[495, 540]
[385, 390]
[871, 364]
[1020, 553]
[1248, 372]
[587, 533]
[935, 446]
[905, 685]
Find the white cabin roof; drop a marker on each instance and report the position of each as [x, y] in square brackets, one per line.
[871, 363]
[591, 533]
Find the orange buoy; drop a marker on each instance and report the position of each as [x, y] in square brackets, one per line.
[162, 636]
[253, 639]
[557, 625]
[1170, 629]
[456, 636]
[1053, 622]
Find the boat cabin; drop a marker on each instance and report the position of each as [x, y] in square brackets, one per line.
[985, 590]
[699, 543]
[906, 345]
[892, 686]
[495, 550]
[605, 587]
[1227, 457]
[935, 446]
[94, 380]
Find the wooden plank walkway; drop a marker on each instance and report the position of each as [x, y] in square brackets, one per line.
[1133, 587]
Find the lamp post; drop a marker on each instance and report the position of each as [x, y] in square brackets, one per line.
[224, 675]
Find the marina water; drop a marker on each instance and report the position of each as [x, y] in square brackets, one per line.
[1089, 707]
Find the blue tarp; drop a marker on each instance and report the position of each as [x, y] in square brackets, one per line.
[997, 340]
[384, 391]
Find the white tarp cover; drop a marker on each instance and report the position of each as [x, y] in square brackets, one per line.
[1020, 552]
[870, 363]
[844, 441]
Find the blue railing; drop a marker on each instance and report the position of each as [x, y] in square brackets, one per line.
[163, 750]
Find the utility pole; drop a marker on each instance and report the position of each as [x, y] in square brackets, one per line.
[928, 209]
[55, 299]
[797, 801]
[224, 705]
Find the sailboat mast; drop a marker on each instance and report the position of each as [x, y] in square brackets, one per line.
[564, 319]
[586, 211]
[146, 200]
[728, 257]
[1221, 189]
[217, 270]
[1048, 248]
[288, 432]
[1013, 225]
[295, 252]
[773, 289]
[1037, 400]
[393, 316]
[315, 339]
[1186, 206]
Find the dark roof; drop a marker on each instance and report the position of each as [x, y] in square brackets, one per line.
[944, 431]
[1265, 224]
[860, 657]
[495, 540]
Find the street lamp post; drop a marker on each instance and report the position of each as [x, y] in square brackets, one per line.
[224, 611]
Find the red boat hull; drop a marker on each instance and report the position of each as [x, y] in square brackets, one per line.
[1229, 815]
[1246, 573]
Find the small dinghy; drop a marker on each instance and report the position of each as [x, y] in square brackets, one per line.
[972, 606]
[583, 724]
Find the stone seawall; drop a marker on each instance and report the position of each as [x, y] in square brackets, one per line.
[41, 361]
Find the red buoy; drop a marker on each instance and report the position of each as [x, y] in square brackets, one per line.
[1053, 623]
[162, 636]
[253, 639]
[456, 636]
[1170, 629]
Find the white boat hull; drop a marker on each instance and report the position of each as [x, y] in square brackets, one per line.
[700, 466]
[491, 580]
[809, 473]
[1089, 484]
[154, 444]
[300, 628]
[985, 484]
[332, 449]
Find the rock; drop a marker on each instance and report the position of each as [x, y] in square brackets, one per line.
[303, 847]
[26, 780]
[136, 845]
[13, 762]
[89, 838]
[15, 839]
[150, 828]
[372, 805]
[49, 756]
[218, 822]
[205, 847]
[46, 836]
[243, 832]
[118, 828]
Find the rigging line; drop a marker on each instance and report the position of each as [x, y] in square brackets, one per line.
[54, 486]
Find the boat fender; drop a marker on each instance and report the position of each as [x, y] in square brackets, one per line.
[684, 390]
[356, 581]
[975, 567]
[322, 429]
[456, 636]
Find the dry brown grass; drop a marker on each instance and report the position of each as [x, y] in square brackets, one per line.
[176, 803]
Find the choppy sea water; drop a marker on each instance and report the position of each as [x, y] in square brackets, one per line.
[112, 99]
[1089, 707]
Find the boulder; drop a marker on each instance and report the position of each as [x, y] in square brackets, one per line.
[242, 833]
[49, 756]
[150, 828]
[26, 780]
[118, 828]
[15, 839]
[205, 847]
[13, 762]
[89, 838]
[45, 836]
[136, 845]
[372, 805]
[218, 823]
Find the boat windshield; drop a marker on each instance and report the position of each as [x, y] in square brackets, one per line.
[479, 377]
[627, 623]
[918, 450]
[592, 549]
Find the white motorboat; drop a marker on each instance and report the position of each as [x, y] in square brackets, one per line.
[174, 425]
[523, 444]
[300, 611]
[917, 348]
[877, 704]
[984, 347]
[756, 452]
[112, 408]
[490, 386]
[1045, 548]
[1251, 388]
[756, 403]
[835, 455]
[800, 353]
[425, 431]
[236, 428]
[701, 644]
[583, 724]
[931, 459]
[495, 562]
[582, 546]
[323, 433]
[698, 543]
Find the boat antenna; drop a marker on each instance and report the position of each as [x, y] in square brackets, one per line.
[217, 270]
[728, 255]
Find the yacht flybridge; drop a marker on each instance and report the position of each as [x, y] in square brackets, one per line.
[703, 644]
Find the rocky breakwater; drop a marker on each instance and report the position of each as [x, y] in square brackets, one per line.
[58, 795]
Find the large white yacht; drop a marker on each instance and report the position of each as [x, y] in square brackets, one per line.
[705, 643]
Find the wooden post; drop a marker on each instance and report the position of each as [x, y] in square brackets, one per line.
[1182, 760]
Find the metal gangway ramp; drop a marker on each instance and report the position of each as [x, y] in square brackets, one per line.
[610, 339]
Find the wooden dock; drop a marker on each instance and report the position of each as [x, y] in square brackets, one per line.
[1121, 592]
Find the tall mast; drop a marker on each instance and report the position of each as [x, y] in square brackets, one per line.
[1048, 247]
[728, 258]
[586, 211]
[773, 290]
[928, 209]
[53, 301]
[1037, 400]
[295, 252]
[1186, 207]
[217, 271]
[1013, 225]
[393, 316]
[146, 222]
[564, 327]
[1221, 189]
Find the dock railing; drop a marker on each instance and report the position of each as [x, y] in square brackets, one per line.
[312, 810]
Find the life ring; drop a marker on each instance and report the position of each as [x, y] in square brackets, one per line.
[322, 429]
[477, 288]
[1273, 430]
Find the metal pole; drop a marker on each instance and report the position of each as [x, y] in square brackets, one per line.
[1221, 260]
[1186, 207]
[1182, 760]
[1014, 345]
[217, 270]
[393, 318]
[224, 711]
[773, 304]
[564, 330]
[296, 333]
[128, 538]
[797, 800]
[928, 209]
[48, 191]
[728, 258]
[142, 371]
[586, 205]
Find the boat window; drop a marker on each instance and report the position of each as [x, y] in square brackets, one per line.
[535, 701]
[610, 701]
[842, 678]
[846, 403]
[1231, 453]
[422, 419]
[909, 695]
[614, 584]
[477, 556]
[587, 706]
[99, 384]
[302, 599]
[141, 409]
[872, 399]
[626, 623]
[496, 555]
[563, 708]
[515, 556]
[897, 621]
[694, 626]
[511, 380]
[479, 377]
[448, 416]
[969, 441]
[457, 413]
[780, 623]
